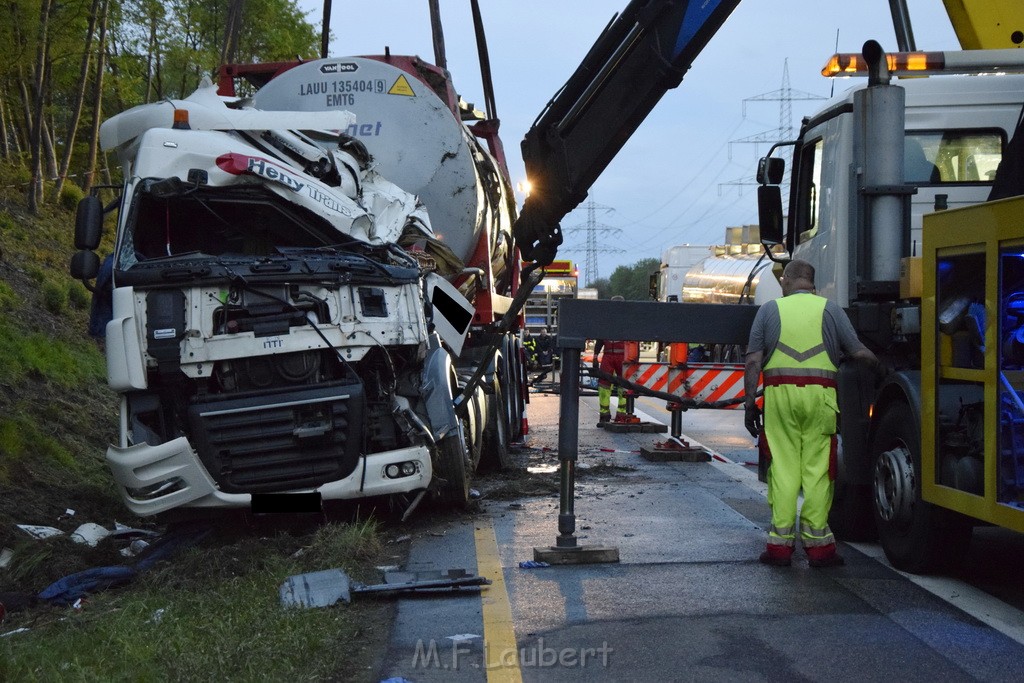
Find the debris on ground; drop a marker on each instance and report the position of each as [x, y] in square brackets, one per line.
[40, 532]
[326, 588]
[533, 564]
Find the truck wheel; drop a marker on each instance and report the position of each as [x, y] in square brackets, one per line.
[451, 468]
[917, 536]
[495, 455]
[512, 394]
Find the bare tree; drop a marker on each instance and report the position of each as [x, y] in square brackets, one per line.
[76, 109]
[35, 119]
[97, 98]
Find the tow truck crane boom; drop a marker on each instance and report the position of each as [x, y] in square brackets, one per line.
[642, 53]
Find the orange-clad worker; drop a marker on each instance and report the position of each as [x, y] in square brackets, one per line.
[611, 363]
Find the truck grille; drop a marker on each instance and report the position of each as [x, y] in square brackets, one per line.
[277, 441]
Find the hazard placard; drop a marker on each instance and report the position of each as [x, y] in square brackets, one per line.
[401, 87]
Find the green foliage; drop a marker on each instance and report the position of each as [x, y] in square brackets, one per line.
[70, 195]
[55, 297]
[633, 282]
[603, 287]
[78, 296]
[8, 298]
[21, 436]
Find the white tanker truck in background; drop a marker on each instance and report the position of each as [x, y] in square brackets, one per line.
[304, 284]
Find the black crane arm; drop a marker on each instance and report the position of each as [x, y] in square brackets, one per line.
[642, 53]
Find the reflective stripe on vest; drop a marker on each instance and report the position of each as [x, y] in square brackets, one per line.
[800, 356]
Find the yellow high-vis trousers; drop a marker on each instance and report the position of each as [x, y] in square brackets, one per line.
[800, 426]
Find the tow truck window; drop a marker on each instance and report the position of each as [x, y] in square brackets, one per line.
[808, 197]
[952, 156]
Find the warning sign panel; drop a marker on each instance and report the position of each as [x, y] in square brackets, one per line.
[401, 87]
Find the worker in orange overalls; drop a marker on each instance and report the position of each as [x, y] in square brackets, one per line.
[611, 362]
[800, 340]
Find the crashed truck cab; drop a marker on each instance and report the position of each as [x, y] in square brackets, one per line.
[272, 331]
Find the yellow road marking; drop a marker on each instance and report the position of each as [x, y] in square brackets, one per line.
[501, 656]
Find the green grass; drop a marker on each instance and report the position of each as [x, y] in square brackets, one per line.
[34, 356]
[213, 613]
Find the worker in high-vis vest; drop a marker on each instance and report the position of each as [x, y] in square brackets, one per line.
[797, 342]
[614, 353]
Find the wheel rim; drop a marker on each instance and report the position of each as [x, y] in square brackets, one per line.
[894, 485]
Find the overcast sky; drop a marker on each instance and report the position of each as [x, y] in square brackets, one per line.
[677, 180]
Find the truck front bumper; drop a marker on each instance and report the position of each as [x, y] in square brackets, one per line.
[154, 479]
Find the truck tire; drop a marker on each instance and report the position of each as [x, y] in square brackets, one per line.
[452, 470]
[453, 462]
[495, 455]
[916, 536]
[513, 382]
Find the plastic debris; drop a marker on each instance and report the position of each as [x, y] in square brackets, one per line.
[40, 532]
[136, 547]
[6, 556]
[157, 617]
[533, 564]
[11, 633]
[90, 534]
[474, 494]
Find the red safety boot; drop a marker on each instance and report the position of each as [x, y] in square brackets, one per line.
[777, 556]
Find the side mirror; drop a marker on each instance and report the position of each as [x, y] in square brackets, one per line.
[85, 265]
[88, 223]
[770, 170]
[769, 213]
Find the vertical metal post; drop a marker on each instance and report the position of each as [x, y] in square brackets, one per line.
[676, 429]
[568, 445]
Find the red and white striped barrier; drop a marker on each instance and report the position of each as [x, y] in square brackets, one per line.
[707, 382]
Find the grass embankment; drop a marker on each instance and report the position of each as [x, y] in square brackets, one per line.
[212, 612]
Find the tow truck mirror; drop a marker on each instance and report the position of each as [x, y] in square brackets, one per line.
[769, 213]
[770, 170]
[85, 265]
[88, 223]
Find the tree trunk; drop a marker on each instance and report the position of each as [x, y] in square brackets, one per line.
[26, 111]
[76, 110]
[232, 29]
[97, 99]
[5, 143]
[49, 155]
[35, 186]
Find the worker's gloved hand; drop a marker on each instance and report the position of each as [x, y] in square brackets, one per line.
[752, 419]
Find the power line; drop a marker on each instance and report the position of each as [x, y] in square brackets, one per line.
[592, 247]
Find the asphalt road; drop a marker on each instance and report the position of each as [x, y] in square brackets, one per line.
[992, 564]
[688, 599]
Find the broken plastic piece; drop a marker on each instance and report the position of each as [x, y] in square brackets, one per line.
[90, 534]
[40, 532]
